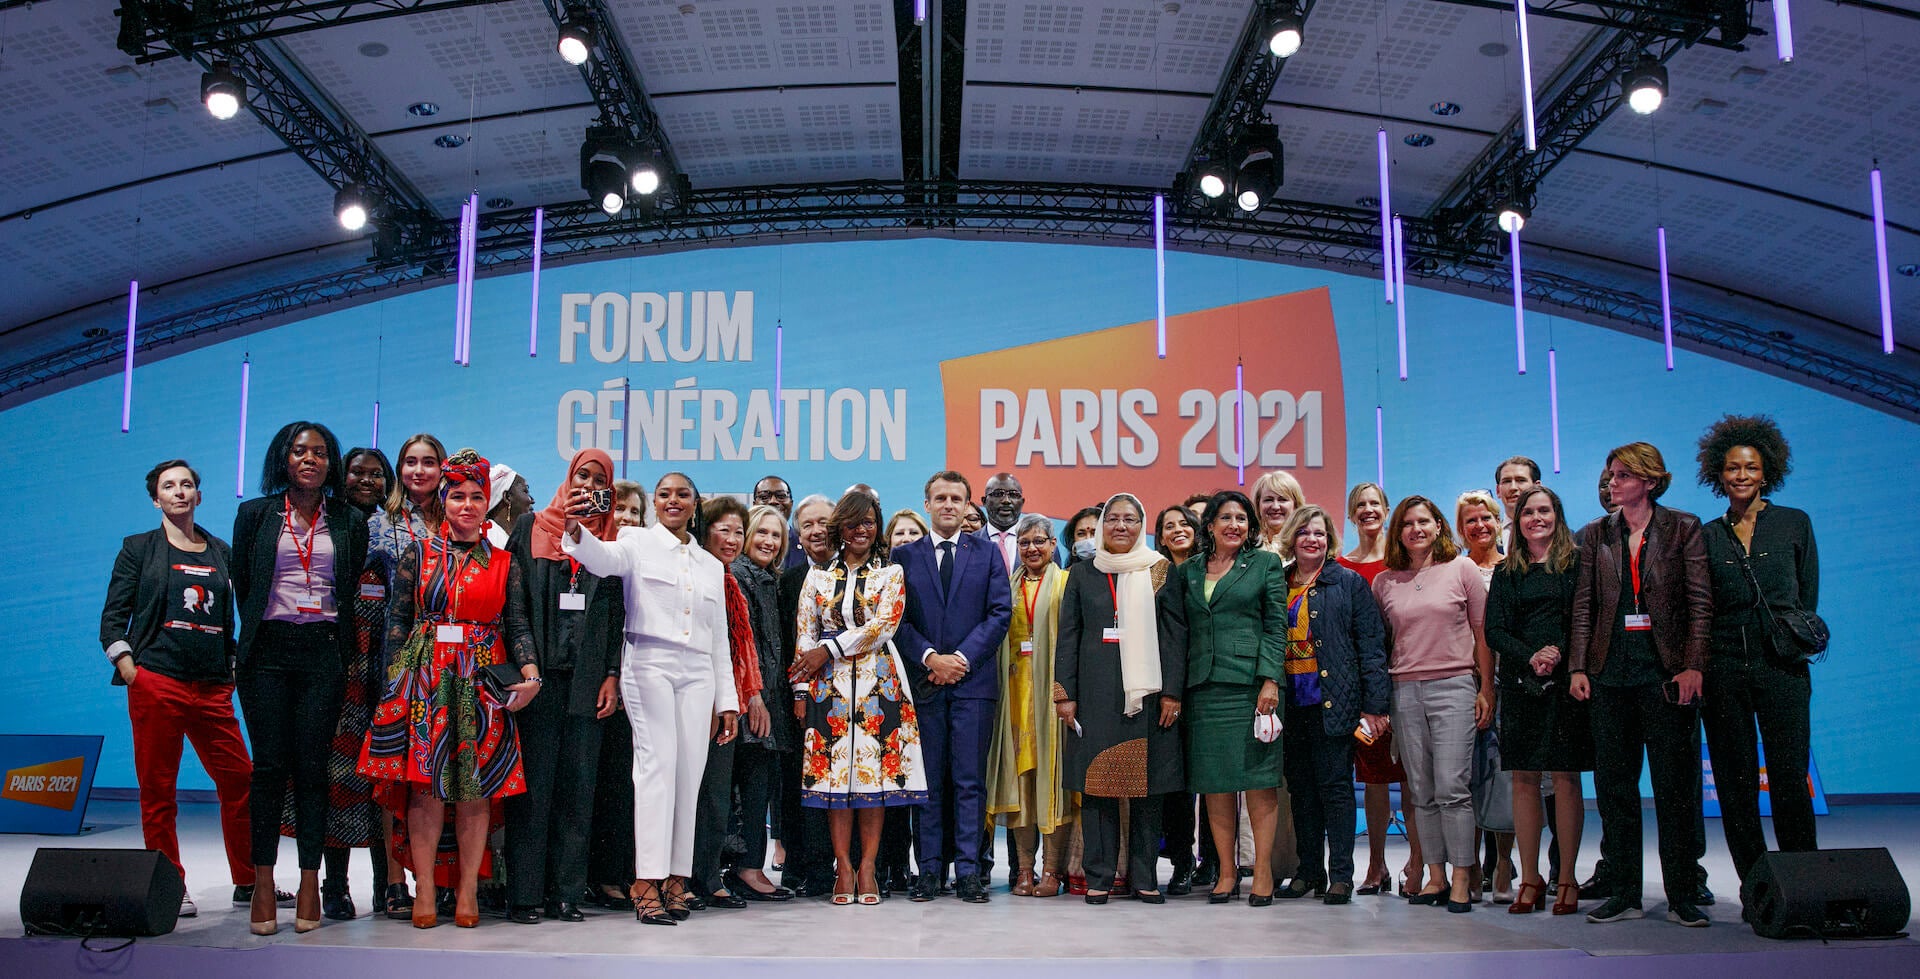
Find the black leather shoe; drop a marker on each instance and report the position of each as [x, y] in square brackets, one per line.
[808, 888]
[1205, 874]
[1259, 900]
[335, 903]
[971, 889]
[896, 879]
[243, 896]
[728, 902]
[399, 903]
[524, 914]
[1595, 889]
[1298, 888]
[696, 903]
[1093, 898]
[746, 891]
[1149, 897]
[565, 911]
[1180, 884]
[925, 888]
[1341, 893]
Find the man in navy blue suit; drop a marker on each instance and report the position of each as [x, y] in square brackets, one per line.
[959, 604]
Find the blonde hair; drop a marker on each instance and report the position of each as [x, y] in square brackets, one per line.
[760, 512]
[1279, 482]
[1299, 520]
[1475, 498]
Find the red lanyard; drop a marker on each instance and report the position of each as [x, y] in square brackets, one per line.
[573, 580]
[1029, 600]
[1116, 600]
[1633, 564]
[305, 553]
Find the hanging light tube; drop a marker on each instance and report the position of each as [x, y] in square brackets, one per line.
[376, 425]
[459, 283]
[1387, 259]
[779, 359]
[533, 330]
[626, 413]
[1160, 272]
[126, 383]
[1240, 420]
[919, 11]
[1380, 447]
[1783, 30]
[1880, 259]
[1553, 403]
[240, 469]
[1400, 290]
[466, 294]
[1519, 304]
[1666, 298]
[1526, 75]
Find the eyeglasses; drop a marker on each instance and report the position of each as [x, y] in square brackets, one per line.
[1004, 494]
[771, 496]
[1042, 542]
[1121, 520]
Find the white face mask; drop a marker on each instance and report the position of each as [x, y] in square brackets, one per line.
[1083, 549]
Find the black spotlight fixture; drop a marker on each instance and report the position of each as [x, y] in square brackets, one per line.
[222, 91]
[1512, 214]
[646, 174]
[1646, 85]
[1214, 181]
[605, 165]
[1258, 166]
[353, 206]
[576, 41]
[1284, 34]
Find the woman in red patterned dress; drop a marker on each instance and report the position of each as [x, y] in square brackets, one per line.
[437, 737]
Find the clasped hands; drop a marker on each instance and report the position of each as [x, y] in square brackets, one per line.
[1544, 660]
[946, 668]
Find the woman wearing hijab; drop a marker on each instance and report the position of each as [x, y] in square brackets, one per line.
[675, 673]
[1117, 686]
[565, 620]
[860, 751]
[1024, 788]
[437, 738]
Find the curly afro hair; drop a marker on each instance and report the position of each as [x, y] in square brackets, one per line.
[1757, 432]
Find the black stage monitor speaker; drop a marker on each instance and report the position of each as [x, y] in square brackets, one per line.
[108, 893]
[1826, 894]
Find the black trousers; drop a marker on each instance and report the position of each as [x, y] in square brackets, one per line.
[290, 720]
[1629, 722]
[1319, 772]
[1740, 694]
[1177, 829]
[610, 859]
[809, 847]
[1100, 841]
[756, 777]
[710, 817]
[548, 825]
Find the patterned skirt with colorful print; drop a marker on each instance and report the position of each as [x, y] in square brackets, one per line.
[861, 747]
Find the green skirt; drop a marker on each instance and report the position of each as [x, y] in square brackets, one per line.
[1222, 753]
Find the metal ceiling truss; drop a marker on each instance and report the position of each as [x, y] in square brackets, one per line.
[614, 82]
[292, 106]
[154, 30]
[1240, 100]
[1715, 23]
[1577, 100]
[1339, 238]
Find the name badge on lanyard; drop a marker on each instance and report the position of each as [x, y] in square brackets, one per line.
[315, 606]
[1026, 647]
[454, 633]
[373, 592]
[571, 601]
[1112, 632]
[1637, 623]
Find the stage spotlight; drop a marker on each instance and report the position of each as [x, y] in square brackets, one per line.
[576, 42]
[1512, 215]
[222, 90]
[1646, 85]
[1213, 181]
[1258, 169]
[604, 168]
[352, 205]
[1284, 35]
[645, 176]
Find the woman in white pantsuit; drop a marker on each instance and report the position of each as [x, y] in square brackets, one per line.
[676, 680]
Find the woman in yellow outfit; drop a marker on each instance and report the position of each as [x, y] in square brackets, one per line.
[1024, 790]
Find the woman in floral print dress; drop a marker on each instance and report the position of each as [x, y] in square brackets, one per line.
[861, 748]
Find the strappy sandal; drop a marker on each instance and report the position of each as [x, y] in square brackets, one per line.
[648, 908]
[674, 895]
[1527, 900]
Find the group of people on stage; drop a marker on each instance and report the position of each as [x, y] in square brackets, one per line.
[431, 668]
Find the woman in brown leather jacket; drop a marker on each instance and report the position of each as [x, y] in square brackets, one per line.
[1642, 617]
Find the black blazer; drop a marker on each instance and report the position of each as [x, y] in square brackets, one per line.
[1349, 641]
[137, 592]
[528, 620]
[256, 532]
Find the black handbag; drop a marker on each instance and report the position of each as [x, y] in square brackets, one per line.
[495, 679]
[1799, 636]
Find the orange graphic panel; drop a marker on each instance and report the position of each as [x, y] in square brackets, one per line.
[53, 784]
[1085, 416]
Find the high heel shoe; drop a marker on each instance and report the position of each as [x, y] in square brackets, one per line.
[1218, 897]
[1527, 900]
[427, 918]
[648, 909]
[1382, 886]
[1255, 899]
[674, 895]
[1566, 899]
[306, 899]
[266, 926]
[869, 896]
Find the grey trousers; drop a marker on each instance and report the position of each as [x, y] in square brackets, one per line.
[1433, 732]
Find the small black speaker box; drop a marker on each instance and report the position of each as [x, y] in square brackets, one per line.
[1826, 894]
[109, 893]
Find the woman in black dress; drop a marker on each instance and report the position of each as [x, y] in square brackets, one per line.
[1117, 682]
[1542, 728]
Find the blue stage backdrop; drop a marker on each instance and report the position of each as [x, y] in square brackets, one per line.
[872, 335]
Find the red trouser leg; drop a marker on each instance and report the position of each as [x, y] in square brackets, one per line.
[156, 706]
[215, 733]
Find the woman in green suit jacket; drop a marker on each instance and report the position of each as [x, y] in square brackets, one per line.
[1233, 606]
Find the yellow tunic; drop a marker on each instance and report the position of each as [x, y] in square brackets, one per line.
[1019, 696]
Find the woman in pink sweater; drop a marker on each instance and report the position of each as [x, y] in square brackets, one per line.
[1434, 604]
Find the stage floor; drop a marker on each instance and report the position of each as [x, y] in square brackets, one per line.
[947, 938]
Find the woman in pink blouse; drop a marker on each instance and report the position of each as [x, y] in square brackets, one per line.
[1435, 604]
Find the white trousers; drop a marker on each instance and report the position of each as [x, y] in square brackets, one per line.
[668, 693]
